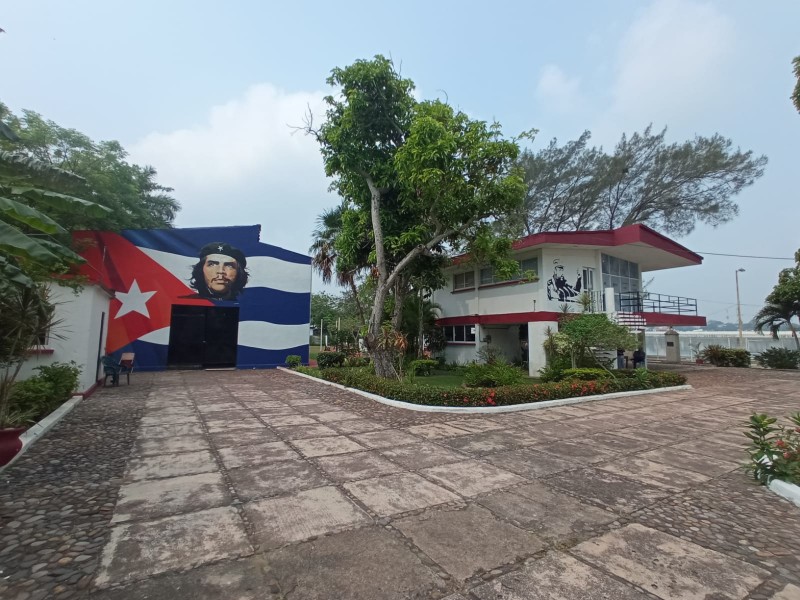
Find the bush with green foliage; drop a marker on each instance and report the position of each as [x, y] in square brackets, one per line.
[585, 374]
[422, 366]
[327, 360]
[492, 375]
[356, 360]
[779, 358]
[38, 396]
[719, 356]
[364, 379]
[293, 361]
[774, 449]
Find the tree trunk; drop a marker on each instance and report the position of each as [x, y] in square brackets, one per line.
[794, 334]
[383, 366]
[383, 359]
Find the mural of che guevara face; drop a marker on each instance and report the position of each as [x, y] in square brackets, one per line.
[221, 272]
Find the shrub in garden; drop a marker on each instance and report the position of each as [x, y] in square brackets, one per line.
[293, 361]
[774, 450]
[720, 356]
[364, 379]
[779, 358]
[586, 374]
[63, 377]
[492, 375]
[326, 360]
[423, 366]
[38, 396]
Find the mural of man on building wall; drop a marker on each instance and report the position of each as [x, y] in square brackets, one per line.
[559, 289]
[221, 272]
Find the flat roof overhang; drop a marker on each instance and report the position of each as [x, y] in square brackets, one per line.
[635, 243]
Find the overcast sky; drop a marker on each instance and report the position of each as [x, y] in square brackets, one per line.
[208, 92]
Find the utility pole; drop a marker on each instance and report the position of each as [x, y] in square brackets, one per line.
[739, 307]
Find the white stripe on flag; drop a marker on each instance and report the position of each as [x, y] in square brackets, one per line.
[255, 334]
[264, 271]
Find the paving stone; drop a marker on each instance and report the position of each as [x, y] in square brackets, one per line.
[357, 426]
[249, 422]
[358, 465]
[242, 579]
[217, 407]
[165, 431]
[302, 515]
[184, 410]
[472, 477]
[435, 431]
[170, 465]
[475, 424]
[183, 443]
[275, 479]
[790, 592]
[385, 438]
[669, 567]
[256, 454]
[242, 437]
[483, 443]
[336, 415]
[577, 451]
[393, 494]
[422, 455]
[530, 463]
[614, 492]
[465, 541]
[653, 473]
[549, 514]
[378, 567]
[557, 576]
[299, 432]
[151, 499]
[326, 446]
[694, 461]
[170, 420]
[138, 550]
[293, 419]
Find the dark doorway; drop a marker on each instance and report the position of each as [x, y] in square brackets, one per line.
[202, 337]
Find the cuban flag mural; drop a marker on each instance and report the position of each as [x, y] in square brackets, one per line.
[201, 297]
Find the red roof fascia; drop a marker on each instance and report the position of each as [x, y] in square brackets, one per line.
[631, 234]
[667, 319]
[652, 319]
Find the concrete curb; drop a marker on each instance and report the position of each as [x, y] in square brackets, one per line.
[489, 410]
[786, 490]
[32, 434]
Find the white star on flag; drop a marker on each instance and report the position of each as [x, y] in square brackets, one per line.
[135, 300]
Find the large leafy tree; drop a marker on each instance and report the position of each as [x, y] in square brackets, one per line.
[419, 177]
[783, 303]
[131, 191]
[670, 187]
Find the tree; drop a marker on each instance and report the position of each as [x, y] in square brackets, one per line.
[583, 333]
[131, 192]
[782, 303]
[775, 315]
[670, 187]
[796, 92]
[420, 177]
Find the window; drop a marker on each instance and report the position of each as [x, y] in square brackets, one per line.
[459, 333]
[529, 264]
[464, 281]
[620, 274]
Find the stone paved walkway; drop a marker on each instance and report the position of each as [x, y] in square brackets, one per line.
[246, 485]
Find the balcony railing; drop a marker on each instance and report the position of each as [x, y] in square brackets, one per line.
[650, 302]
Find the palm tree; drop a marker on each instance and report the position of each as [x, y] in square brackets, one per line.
[325, 258]
[775, 314]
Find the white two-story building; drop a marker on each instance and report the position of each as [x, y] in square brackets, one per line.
[603, 268]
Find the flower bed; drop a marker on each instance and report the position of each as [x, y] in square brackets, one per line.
[415, 393]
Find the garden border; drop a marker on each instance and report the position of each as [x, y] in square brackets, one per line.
[787, 490]
[488, 409]
[33, 433]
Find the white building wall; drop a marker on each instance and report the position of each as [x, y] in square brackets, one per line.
[78, 335]
[561, 268]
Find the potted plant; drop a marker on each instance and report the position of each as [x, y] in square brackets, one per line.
[26, 315]
[696, 353]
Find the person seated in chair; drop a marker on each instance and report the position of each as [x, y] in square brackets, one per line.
[639, 358]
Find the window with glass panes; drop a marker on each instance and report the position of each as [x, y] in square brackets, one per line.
[459, 333]
[529, 264]
[464, 281]
[620, 274]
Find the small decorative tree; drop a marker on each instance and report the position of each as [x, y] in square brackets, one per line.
[585, 333]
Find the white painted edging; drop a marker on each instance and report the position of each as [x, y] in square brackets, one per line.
[787, 490]
[31, 435]
[488, 409]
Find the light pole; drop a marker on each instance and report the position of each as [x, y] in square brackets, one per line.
[739, 305]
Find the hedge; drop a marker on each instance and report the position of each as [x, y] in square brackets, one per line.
[415, 393]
